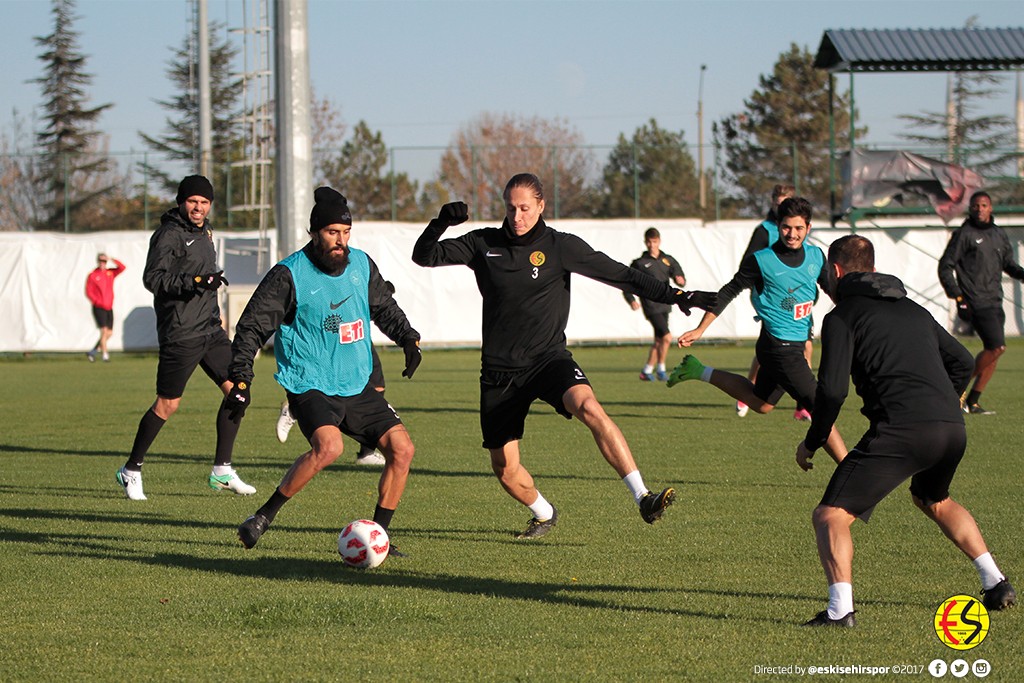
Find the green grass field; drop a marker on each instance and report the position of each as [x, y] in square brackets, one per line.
[96, 587]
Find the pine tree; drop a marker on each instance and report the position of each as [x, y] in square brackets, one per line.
[657, 164]
[782, 136]
[74, 164]
[180, 141]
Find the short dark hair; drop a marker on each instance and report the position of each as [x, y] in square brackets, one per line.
[979, 194]
[652, 234]
[527, 180]
[782, 190]
[794, 206]
[854, 253]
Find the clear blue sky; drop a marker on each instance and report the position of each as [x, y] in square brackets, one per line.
[416, 71]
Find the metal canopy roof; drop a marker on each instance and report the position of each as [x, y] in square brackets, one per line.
[881, 50]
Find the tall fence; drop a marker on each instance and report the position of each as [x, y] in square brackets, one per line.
[129, 190]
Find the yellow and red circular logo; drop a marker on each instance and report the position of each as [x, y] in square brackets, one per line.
[537, 258]
[961, 622]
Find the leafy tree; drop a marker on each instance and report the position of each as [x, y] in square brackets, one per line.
[783, 135]
[359, 173]
[981, 142]
[328, 132]
[657, 164]
[70, 172]
[490, 149]
[180, 141]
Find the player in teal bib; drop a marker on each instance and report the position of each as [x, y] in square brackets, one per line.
[784, 281]
[320, 301]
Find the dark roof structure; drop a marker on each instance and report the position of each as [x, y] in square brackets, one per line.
[891, 50]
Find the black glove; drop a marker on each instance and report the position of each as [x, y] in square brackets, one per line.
[963, 309]
[211, 281]
[412, 356]
[238, 399]
[687, 300]
[453, 214]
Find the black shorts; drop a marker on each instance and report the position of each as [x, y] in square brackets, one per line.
[505, 397]
[178, 360]
[784, 370]
[989, 324]
[927, 453]
[659, 321]
[365, 417]
[103, 317]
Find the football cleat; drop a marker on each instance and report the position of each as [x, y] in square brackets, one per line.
[741, 409]
[284, 423]
[822, 619]
[801, 415]
[371, 458]
[662, 376]
[230, 482]
[652, 505]
[975, 409]
[251, 529]
[393, 551]
[646, 376]
[689, 368]
[132, 483]
[999, 596]
[91, 356]
[536, 528]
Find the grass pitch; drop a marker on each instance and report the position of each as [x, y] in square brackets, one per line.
[96, 587]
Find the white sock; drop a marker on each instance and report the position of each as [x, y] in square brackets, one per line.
[635, 483]
[648, 369]
[661, 367]
[706, 375]
[988, 572]
[840, 600]
[541, 509]
[221, 470]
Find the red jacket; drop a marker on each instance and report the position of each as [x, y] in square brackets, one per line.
[99, 286]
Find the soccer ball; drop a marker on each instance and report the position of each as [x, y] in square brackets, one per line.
[363, 544]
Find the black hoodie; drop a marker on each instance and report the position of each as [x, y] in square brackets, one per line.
[905, 366]
[974, 261]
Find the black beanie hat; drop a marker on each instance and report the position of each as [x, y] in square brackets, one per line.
[330, 207]
[194, 185]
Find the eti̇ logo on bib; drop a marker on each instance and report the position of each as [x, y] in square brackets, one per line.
[961, 622]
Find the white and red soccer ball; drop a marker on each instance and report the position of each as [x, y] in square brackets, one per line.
[363, 544]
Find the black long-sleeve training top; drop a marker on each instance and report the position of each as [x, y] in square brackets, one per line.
[525, 284]
[974, 261]
[904, 365]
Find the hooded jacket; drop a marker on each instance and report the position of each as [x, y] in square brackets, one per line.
[178, 252]
[905, 366]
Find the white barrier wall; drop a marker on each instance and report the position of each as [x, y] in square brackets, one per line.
[43, 304]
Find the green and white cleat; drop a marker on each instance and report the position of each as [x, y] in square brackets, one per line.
[230, 482]
[689, 368]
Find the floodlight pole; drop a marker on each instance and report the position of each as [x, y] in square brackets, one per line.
[700, 141]
[205, 107]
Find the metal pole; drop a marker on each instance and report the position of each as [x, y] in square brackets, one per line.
[700, 140]
[205, 107]
[832, 147]
[294, 183]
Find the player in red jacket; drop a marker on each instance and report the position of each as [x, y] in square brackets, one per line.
[99, 289]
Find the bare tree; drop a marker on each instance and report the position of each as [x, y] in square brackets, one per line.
[490, 149]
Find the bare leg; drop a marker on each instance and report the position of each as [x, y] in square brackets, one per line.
[581, 402]
[326, 447]
[985, 367]
[835, 542]
[740, 388]
[514, 478]
[958, 524]
[661, 348]
[398, 452]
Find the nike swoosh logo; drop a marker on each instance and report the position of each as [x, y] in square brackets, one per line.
[647, 265]
[316, 290]
[979, 241]
[792, 289]
[189, 243]
[336, 306]
[491, 254]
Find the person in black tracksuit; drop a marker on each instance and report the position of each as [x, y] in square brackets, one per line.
[664, 268]
[523, 271]
[970, 271]
[909, 372]
[181, 272]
